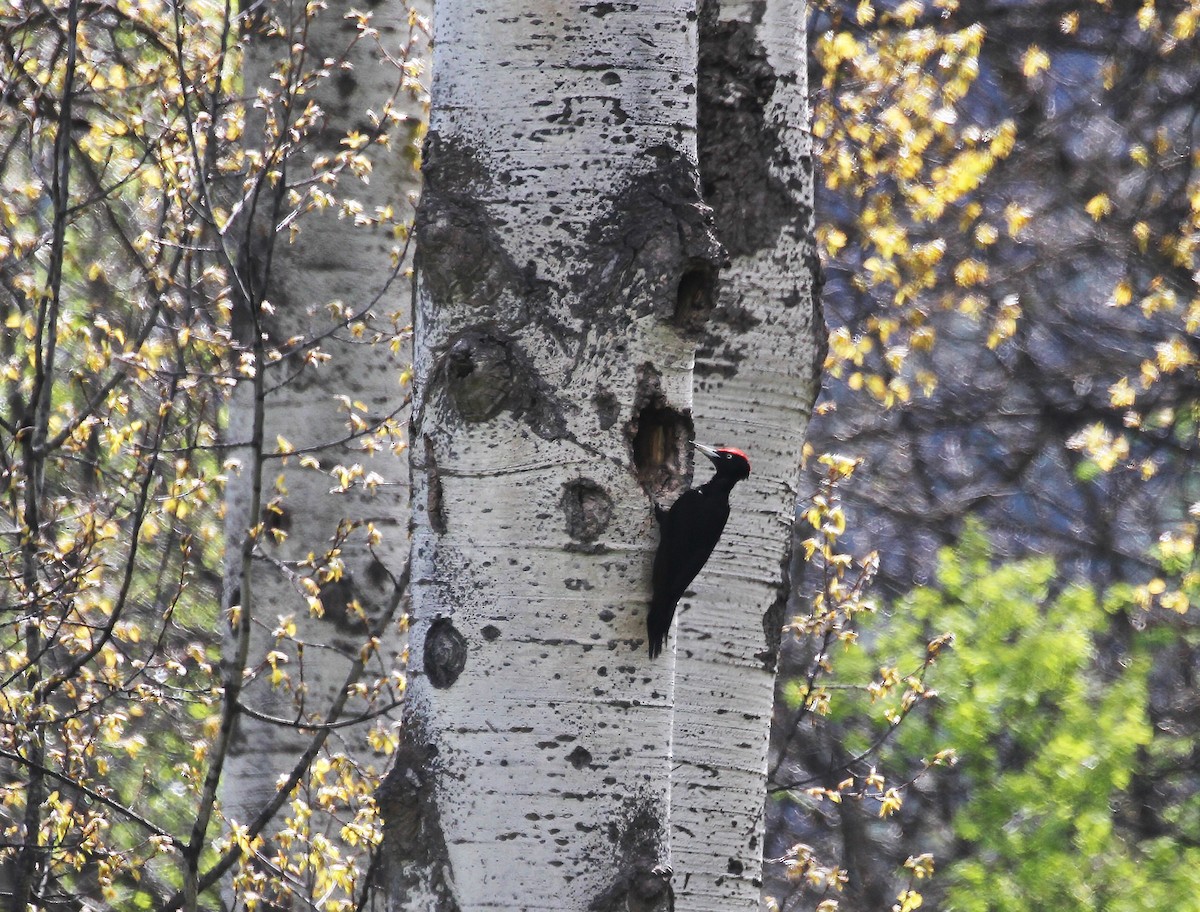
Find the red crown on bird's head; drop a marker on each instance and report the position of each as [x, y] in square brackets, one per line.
[734, 451]
[730, 456]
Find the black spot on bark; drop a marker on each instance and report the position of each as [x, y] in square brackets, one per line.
[377, 573]
[445, 653]
[709, 365]
[341, 606]
[568, 116]
[478, 373]
[735, 139]
[608, 409]
[587, 507]
[345, 83]
[433, 492]
[490, 632]
[736, 317]
[772, 620]
[474, 276]
[413, 841]
[695, 295]
[641, 883]
[735, 867]
[720, 353]
[275, 517]
[579, 758]
[485, 372]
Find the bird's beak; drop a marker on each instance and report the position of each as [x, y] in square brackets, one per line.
[707, 451]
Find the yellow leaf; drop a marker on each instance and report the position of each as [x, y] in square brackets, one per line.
[986, 235]
[1147, 16]
[835, 240]
[970, 272]
[1017, 218]
[1173, 355]
[844, 47]
[1109, 74]
[1099, 206]
[890, 803]
[1141, 233]
[1175, 601]
[1035, 61]
[1121, 394]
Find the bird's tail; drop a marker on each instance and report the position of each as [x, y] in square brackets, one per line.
[658, 625]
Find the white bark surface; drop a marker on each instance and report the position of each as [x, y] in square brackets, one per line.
[756, 379]
[561, 217]
[329, 260]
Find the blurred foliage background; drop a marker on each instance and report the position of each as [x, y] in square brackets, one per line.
[1009, 208]
[134, 151]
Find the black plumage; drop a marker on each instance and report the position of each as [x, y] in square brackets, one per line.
[690, 531]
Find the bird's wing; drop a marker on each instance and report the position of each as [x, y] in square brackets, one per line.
[690, 532]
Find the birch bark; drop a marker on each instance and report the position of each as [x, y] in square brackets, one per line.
[565, 267]
[339, 290]
[566, 285]
[757, 375]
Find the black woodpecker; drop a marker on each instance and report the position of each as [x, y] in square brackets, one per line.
[690, 531]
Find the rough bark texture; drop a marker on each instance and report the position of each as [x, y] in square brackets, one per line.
[330, 260]
[757, 375]
[565, 271]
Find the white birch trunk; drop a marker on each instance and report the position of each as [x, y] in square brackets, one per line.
[757, 374]
[330, 260]
[564, 266]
